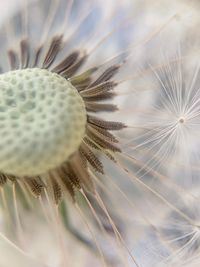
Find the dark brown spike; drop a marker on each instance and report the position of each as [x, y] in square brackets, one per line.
[68, 170]
[37, 55]
[101, 97]
[106, 75]
[110, 156]
[86, 152]
[98, 89]
[56, 190]
[12, 178]
[35, 185]
[93, 145]
[25, 53]
[13, 59]
[54, 48]
[74, 68]
[90, 143]
[102, 142]
[67, 62]
[80, 168]
[97, 107]
[66, 183]
[69, 187]
[103, 133]
[108, 125]
[3, 179]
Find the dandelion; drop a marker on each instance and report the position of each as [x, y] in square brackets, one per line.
[75, 156]
[51, 134]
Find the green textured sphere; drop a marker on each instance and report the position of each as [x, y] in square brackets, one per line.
[42, 121]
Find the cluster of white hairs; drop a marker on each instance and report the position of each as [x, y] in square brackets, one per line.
[145, 211]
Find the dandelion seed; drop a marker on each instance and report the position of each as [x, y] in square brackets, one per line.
[165, 156]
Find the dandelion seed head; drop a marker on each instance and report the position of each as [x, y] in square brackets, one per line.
[42, 120]
[67, 66]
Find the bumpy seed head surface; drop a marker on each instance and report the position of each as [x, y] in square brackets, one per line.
[42, 121]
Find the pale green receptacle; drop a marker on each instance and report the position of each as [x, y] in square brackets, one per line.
[42, 121]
